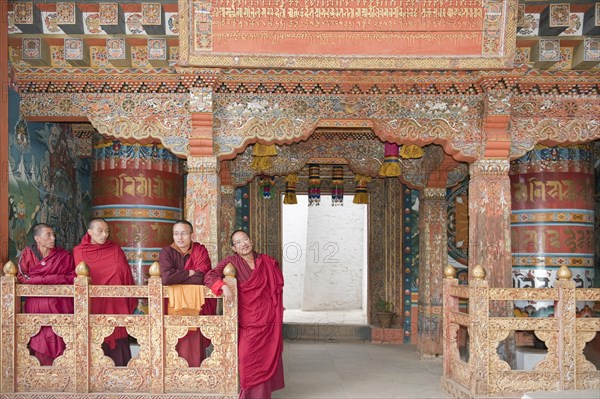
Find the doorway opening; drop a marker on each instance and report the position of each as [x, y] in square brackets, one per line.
[325, 262]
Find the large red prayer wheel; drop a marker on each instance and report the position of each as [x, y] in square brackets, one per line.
[552, 219]
[138, 190]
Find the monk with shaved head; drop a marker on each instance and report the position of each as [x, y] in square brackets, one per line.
[45, 263]
[108, 266]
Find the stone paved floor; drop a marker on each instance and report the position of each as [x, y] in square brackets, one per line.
[317, 370]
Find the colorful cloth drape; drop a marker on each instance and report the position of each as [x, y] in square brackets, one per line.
[361, 196]
[266, 182]
[262, 155]
[314, 185]
[391, 164]
[337, 186]
[290, 189]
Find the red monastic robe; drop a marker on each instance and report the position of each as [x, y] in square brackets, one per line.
[56, 268]
[260, 317]
[108, 266]
[174, 267]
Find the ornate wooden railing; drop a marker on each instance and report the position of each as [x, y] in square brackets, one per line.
[84, 371]
[484, 373]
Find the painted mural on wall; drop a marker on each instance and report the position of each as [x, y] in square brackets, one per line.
[458, 228]
[47, 182]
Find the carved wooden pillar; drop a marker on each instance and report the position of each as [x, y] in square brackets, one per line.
[157, 343]
[433, 259]
[392, 282]
[450, 347]
[489, 220]
[227, 215]
[490, 206]
[9, 303]
[202, 202]
[202, 199]
[489, 195]
[567, 329]
[82, 328]
[479, 349]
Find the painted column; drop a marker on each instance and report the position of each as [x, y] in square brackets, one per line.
[202, 199]
[138, 190]
[393, 250]
[433, 259]
[202, 202]
[489, 235]
[489, 220]
[227, 215]
[552, 219]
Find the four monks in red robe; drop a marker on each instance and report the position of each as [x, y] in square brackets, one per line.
[260, 297]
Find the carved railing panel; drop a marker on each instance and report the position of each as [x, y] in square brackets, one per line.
[84, 371]
[564, 367]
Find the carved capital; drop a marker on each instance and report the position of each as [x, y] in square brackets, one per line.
[227, 190]
[433, 193]
[202, 165]
[494, 167]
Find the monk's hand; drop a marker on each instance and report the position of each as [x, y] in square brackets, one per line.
[191, 273]
[227, 294]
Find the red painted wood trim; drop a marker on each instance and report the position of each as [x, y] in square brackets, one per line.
[201, 140]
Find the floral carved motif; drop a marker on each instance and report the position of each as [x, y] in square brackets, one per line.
[498, 102]
[554, 119]
[125, 116]
[282, 119]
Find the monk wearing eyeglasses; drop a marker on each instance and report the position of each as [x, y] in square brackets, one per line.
[185, 262]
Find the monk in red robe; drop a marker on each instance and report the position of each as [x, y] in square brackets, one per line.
[260, 316]
[108, 266]
[44, 263]
[186, 262]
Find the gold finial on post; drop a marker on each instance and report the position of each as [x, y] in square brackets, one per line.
[10, 269]
[82, 269]
[564, 273]
[478, 272]
[229, 270]
[154, 270]
[450, 272]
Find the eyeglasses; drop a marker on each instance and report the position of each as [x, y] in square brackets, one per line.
[181, 234]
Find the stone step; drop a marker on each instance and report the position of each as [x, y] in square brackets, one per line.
[320, 332]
